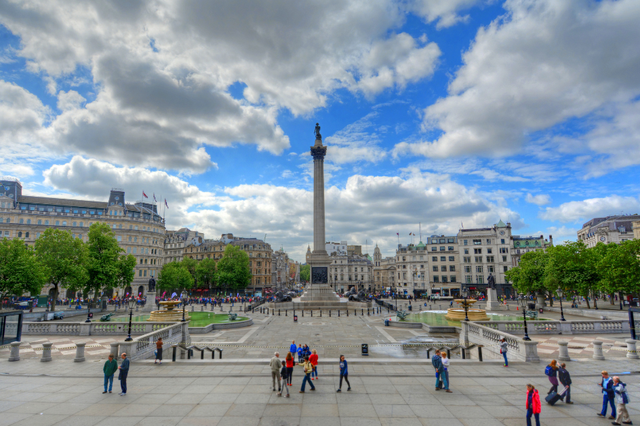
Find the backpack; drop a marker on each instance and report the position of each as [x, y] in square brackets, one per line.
[548, 371]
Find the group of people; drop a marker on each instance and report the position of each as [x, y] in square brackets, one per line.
[282, 370]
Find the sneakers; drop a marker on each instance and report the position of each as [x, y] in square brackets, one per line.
[600, 415]
[301, 391]
[338, 390]
[448, 391]
[312, 389]
[348, 389]
[122, 394]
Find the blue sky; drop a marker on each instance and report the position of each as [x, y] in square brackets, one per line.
[439, 113]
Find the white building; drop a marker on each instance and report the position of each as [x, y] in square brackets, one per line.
[610, 229]
[339, 249]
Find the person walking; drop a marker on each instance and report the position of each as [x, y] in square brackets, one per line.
[445, 373]
[122, 376]
[436, 361]
[552, 373]
[284, 371]
[300, 354]
[344, 374]
[565, 379]
[533, 405]
[275, 365]
[313, 359]
[159, 344]
[289, 363]
[622, 399]
[607, 396]
[308, 368]
[504, 348]
[293, 348]
[109, 369]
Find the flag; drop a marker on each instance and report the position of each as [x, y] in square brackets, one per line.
[154, 197]
[165, 203]
[144, 195]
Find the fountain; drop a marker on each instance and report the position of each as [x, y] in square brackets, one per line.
[458, 314]
[168, 314]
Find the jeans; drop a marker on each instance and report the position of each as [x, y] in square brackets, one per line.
[307, 378]
[445, 379]
[346, 379]
[536, 415]
[123, 382]
[108, 380]
[567, 395]
[606, 400]
[284, 387]
[504, 355]
[314, 373]
[289, 374]
[439, 378]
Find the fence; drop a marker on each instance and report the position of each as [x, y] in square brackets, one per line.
[90, 328]
[489, 338]
[143, 347]
[559, 327]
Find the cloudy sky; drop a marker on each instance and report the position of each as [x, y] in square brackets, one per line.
[439, 112]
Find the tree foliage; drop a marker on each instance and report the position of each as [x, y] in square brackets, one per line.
[233, 269]
[190, 265]
[206, 273]
[104, 255]
[529, 276]
[305, 273]
[174, 276]
[620, 268]
[64, 259]
[20, 270]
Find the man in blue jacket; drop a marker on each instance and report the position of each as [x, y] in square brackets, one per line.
[293, 348]
[124, 372]
[608, 396]
[436, 361]
[300, 354]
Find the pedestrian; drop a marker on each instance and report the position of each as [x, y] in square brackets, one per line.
[607, 396]
[308, 368]
[504, 348]
[275, 365]
[284, 372]
[109, 369]
[552, 373]
[289, 363]
[313, 358]
[533, 405]
[436, 361]
[300, 351]
[445, 373]
[565, 379]
[124, 371]
[344, 374]
[622, 399]
[159, 344]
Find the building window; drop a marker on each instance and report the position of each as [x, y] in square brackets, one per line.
[452, 258]
[477, 251]
[478, 259]
[489, 251]
[450, 248]
[46, 222]
[435, 269]
[434, 248]
[504, 258]
[57, 223]
[477, 242]
[467, 269]
[480, 279]
[443, 258]
[479, 269]
[444, 278]
[452, 268]
[466, 259]
[505, 268]
[491, 270]
[119, 238]
[39, 221]
[19, 234]
[468, 279]
[464, 242]
[441, 248]
[490, 259]
[452, 278]
[75, 223]
[21, 220]
[436, 279]
[443, 268]
[81, 224]
[488, 241]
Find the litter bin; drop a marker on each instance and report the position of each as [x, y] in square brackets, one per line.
[365, 349]
[531, 306]
[386, 323]
[295, 318]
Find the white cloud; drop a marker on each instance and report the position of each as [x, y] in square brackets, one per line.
[544, 62]
[574, 211]
[539, 200]
[444, 11]
[562, 234]
[356, 143]
[70, 100]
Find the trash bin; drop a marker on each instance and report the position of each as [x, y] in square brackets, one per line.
[540, 310]
[365, 349]
[386, 323]
[295, 318]
[531, 306]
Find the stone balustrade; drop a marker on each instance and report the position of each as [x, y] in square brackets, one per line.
[91, 328]
[143, 347]
[489, 338]
[559, 327]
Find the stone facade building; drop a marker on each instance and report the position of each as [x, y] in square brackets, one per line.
[346, 272]
[138, 227]
[176, 241]
[521, 245]
[280, 269]
[444, 269]
[636, 230]
[260, 257]
[610, 229]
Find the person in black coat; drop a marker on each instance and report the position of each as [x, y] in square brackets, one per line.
[565, 379]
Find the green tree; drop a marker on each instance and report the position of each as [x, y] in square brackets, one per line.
[64, 259]
[190, 265]
[233, 269]
[206, 273]
[305, 273]
[174, 276]
[126, 271]
[620, 268]
[529, 275]
[20, 270]
[103, 268]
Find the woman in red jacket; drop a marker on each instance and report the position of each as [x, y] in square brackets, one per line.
[289, 363]
[533, 405]
[313, 359]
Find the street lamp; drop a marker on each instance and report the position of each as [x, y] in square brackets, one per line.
[88, 308]
[184, 302]
[465, 294]
[559, 291]
[132, 303]
[523, 304]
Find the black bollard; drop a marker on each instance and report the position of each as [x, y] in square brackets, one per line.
[338, 313]
[363, 311]
[329, 313]
[347, 311]
[278, 312]
[303, 312]
[285, 312]
[320, 313]
[273, 311]
[368, 312]
[312, 313]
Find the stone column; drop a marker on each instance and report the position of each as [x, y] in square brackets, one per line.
[15, 352]
[80, 352]
[531, 351]
[597, 350]
[318, 152]
[563, 351]
[632, 353]
[114, 349]
[46, 352]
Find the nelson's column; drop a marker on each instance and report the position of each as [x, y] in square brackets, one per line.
[319, 293]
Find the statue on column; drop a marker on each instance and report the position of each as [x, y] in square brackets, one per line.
[317, 131]
[491, 281]
[152, 285]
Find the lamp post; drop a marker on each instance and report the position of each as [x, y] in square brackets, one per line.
[131, 303]
[88, 308]
[184, 302]
[465, 294]
[523, 304]
[559, 291]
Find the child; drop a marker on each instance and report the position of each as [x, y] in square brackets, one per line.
[533, 405]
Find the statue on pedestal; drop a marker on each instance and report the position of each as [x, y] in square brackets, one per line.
[317, 131]
[491, 281]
